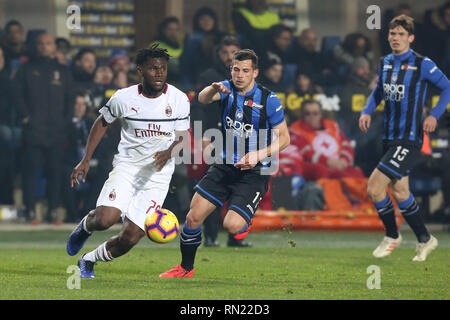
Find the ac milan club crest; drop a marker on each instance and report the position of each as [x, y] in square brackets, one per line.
[168, 111]
[112, 195]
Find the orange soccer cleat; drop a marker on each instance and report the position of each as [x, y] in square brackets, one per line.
[177, 272]
[241, 235]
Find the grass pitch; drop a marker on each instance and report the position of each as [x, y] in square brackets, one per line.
[280, 266]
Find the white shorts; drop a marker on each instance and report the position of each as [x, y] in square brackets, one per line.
[133, 194]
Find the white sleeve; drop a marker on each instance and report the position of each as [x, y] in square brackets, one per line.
[112, 109]
[183, 121]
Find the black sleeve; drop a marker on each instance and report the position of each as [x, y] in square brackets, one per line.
[69, 96]
[18, 93]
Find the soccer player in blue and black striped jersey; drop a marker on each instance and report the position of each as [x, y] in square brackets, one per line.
[403, 78]
[250, 113]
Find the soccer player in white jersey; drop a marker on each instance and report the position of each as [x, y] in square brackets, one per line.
[154, 116]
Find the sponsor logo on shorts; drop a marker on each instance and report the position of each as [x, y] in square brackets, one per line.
[395, 164]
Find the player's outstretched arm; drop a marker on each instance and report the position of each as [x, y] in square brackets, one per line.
[212, 93]
[98, 130]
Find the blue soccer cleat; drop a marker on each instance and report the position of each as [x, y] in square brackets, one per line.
[86, 268]
[77, 239]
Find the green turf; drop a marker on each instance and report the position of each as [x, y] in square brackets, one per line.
[281, 265]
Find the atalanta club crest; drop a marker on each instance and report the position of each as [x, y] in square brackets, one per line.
[394, 77]
[168, 111]
[112, 195]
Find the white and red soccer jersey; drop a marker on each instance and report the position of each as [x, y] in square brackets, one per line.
[148, 124]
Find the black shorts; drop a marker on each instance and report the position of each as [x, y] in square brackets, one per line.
[242, 189]
[398, 159]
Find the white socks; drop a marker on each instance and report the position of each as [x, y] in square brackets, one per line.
[84, 225]
[99, 254]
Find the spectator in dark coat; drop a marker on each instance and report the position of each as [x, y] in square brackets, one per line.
[41, 91]
[13, 44]
[198, 54]
[271, 76]
[437, 46]
[353, 97]
[355, 45]
[279, 44]
[8, 141]
[309, 61]
[83, 68]
[219, 71]
[78, 134]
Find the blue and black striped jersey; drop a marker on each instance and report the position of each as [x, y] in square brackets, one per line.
[247, 120]
[402, 82]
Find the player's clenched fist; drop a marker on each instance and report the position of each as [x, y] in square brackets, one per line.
[81, 169]
[220, 87]
[364, 122]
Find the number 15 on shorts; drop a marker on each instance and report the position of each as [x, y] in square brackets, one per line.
[400, 153]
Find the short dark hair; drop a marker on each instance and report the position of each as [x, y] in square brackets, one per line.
[163, 25]
[403, 21]
[308, 101]
[276, 30]
[228, 41]
[62, 43]
[81, 53]
[153, 52]
[247, 54]
[11, 23]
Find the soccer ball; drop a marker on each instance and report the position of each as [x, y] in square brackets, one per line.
[161, 226]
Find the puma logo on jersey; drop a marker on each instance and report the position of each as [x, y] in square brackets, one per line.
[134, 109]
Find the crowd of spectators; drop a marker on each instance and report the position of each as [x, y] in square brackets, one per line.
[49, 98]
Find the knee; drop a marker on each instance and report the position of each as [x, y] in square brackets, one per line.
[374, 191]
[233, 226]
[400, 195]
[103, 218]
[194, 219]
